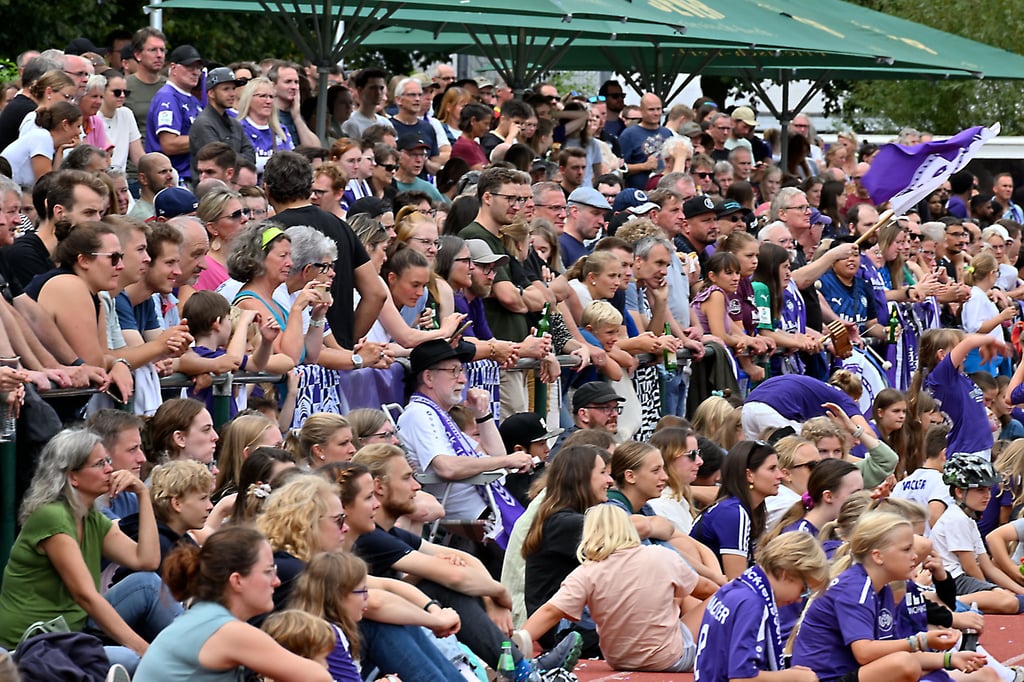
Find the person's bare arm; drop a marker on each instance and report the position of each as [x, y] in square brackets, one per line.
[66, 298]
[172, 143]
[42, 326]
[372, 293]
[510, 297]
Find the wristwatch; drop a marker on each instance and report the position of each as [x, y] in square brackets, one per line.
[357, 361]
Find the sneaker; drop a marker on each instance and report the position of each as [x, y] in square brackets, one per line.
[565, 654]
[118, 673]
[1018, 673]
[522, 641]
[558, 675]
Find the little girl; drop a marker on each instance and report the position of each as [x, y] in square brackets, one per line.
[889, 414]
[301, 633]
[942, 356]
[781, 316]
[861, 645]
[980, 315]
[711, 308]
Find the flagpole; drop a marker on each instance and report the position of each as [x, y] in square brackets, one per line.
[882, 220]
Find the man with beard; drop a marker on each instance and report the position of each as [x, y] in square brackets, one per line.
[155, 173]
[594, 406]
[455, 579]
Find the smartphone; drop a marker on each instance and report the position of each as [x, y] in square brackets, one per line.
[462, 330]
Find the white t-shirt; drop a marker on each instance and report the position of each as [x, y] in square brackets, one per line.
[581, 292]
[442, 137]
[122, 130]
[19, 154]
[976, 311]
[776, 505]
[676, 511]
[357, 124]
[923, 486]
[424, 437]
[956, 532]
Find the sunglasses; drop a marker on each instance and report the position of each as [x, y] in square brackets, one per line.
[810, 465]
[115, 256]
[595, 100]
[119, 92]
[692, 454]
[339, 519]
[389, 167]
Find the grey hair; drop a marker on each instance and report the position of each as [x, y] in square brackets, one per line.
[310, 245]
[781, 199]
[671, 146]
[213, 202]
[96, 81]
[66, 452]
[247, 259]
[542, 187]
[723, 167]
[80, 157]
[766, 231]
[36, 67]
[402, 84]
[642, 249]
[934, 231]
[7, 185]
[669, 180]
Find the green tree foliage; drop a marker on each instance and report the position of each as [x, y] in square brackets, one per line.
[943, 107]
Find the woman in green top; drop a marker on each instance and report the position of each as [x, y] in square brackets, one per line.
[54, 567]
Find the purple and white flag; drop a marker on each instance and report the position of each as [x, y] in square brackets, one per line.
[904, 175]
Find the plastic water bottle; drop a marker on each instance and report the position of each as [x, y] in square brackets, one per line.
[506, 664]
[970, 639]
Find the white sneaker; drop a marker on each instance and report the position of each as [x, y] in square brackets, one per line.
[118, 673]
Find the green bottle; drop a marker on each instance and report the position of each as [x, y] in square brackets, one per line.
[435, 322]
[506, 665]
[671, 364]
[544, 323]
[894, 323]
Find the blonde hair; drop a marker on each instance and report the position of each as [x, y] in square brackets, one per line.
[817, 428]
[322, 587]
[376, 456]
[908, 509]
[606, 530]
[786, 449]
[592, 264]
[301, 633]
[796, 554]
[628, 456]
[601, 314]
[710, 415]
[1010, 464]
[982, 265]
[176, 479]
[316, 430]
[849, 513]
[238, 436]
[873, 531]
[671, 442]
[289, 519]
[245, 101]
[847, 382]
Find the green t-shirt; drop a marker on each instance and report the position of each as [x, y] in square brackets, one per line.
[763, 304]
[505, 325]
[32, 589]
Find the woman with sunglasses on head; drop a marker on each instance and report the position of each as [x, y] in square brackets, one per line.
[89, 261]
[54, 566]
[231, 580]
[222, 212]
[797, 459]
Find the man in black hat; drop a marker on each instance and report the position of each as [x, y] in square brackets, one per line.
[214, 124]
[174, 109]
[412, 155]
[432, 439]
[700, 229]
[594, 406]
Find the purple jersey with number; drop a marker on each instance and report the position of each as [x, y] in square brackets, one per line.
[171, 111]
[823, 643]
[732, 643]
[963, 401]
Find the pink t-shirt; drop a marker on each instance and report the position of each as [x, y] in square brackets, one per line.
[212, 277]
[97, 135]
[631, 596]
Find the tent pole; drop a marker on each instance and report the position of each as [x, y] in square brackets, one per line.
[784, 120]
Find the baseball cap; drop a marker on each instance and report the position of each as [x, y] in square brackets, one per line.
[482, 82]
[819, 217]
[371, 206]
[481, 253]
[411, 141]
[594, 392]
[426, 355]
[525, 428]
[186, 55]
[171, 202]
[80, 46]
[745, 114]
[628, 198]
[699, 204]
[127, 52]
[588, 196]
[221, 75]
[727, 207]
[643, 209]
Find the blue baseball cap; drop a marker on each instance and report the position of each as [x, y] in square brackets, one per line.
[629, 198]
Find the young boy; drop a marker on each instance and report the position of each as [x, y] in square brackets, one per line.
[925, 486]
[216, 334]
[602, 326]
[957, 540]
[180, 491]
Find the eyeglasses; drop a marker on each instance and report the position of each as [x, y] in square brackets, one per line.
[383, 434]
[427, 242]
[389, 167]
[115, 256]
[234, 215]
[957, 235]
[803, 208]
[512, 199]
[365, 592]
[702, 174]
[607, 409]
[487, 270]
[735, 218]
[557, 208]
[77, 74]
[319, 192]
[120, 92]
[456, 371]
[467, 260]
[691, 454]
[810, 465]
[338, 519]
[101, 464]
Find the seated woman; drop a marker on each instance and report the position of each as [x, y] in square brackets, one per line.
[182, 429]
[639, 596]
[739, 635]
[261, 260]
[681, 457]
[419, 232]
[231, 580]
[797, 459]
[239, 438]
[89, 260]
[40, 150]
[324, 438]
[54, 566]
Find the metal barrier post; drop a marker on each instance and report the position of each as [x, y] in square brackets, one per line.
[8, 513]
[222, 395]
